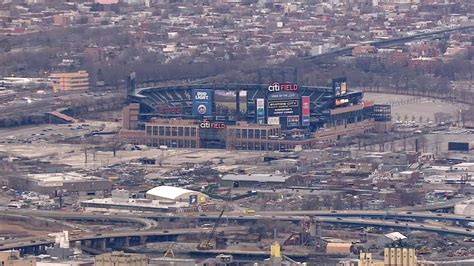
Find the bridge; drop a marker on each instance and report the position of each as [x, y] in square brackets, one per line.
[407, 220]
[110, 239]
[105, 240]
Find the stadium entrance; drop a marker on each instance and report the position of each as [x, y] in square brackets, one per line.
[212, 135]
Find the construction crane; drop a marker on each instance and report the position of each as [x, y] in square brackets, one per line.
[207, 245]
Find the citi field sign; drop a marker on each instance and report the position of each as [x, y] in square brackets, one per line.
[212, 125]
[275, 87]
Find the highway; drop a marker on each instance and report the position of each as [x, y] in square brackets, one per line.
[66, 225]
[389, 42]
[146, 223]
[444, 229]
[390, 214]
[148, 220]
[437, 206]
[36, 241]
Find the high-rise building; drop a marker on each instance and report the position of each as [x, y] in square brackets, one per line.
[66, 81]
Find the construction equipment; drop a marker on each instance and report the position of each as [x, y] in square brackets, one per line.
[169, 251]
[424, 250]
[207, 245]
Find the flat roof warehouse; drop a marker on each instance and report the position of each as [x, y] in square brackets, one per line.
[232, 180]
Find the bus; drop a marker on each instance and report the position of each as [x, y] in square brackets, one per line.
[250, 211]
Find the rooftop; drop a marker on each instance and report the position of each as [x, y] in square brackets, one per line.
[51, 178]
[256, 178]
[169, 192]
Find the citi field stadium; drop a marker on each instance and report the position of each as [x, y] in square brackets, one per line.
[276, 116]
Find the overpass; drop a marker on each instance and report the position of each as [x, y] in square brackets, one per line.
[382, 215]
[149, 220]
[105, 240]
[102, 241]
[454, 230]
[434, 207]
[146, 223]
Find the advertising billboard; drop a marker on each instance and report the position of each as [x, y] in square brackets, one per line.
[339, 86]
[212, 125]
[276, 87]
[193, 199]
[458, 146]
[292, 121]
[131, 83]
[260, 112]
[162, 108]
[283, 107]
[203, 100]
[273, 120]
[342, 101]
[243, 101]
[305, 110]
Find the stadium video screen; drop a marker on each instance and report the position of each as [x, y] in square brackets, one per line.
[226, 102]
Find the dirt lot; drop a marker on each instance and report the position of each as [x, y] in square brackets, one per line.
[17, 231]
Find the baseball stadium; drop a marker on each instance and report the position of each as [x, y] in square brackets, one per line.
[275, 116]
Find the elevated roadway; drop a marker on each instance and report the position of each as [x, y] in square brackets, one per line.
[390, 214]
[146, 223]
[47, 241]
[441, 229]
[436, 206]
[390, 42]
[149, 220]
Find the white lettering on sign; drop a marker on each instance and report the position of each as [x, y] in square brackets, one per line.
[202, 95]
[208, 125]
[282, 87]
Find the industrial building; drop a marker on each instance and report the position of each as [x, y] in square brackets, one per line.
[70, 182]
[175, 194]
[158, 199]
[13, 258]
[279, 116]
[465, 207]
[121, 259]
[253, 180]
[131, 205]
[392, 256]
[70, 81]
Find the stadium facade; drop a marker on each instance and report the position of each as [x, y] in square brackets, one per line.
[277, 116]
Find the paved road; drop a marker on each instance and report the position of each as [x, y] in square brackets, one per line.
[35, 241]
[148, 219]
[18, 243]
[379, 215]
[146, 223]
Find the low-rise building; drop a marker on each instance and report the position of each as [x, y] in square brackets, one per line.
[253, 180]
[175, 194]
[70, 182]
[69, 81]
[121, 259]
[13, 258]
